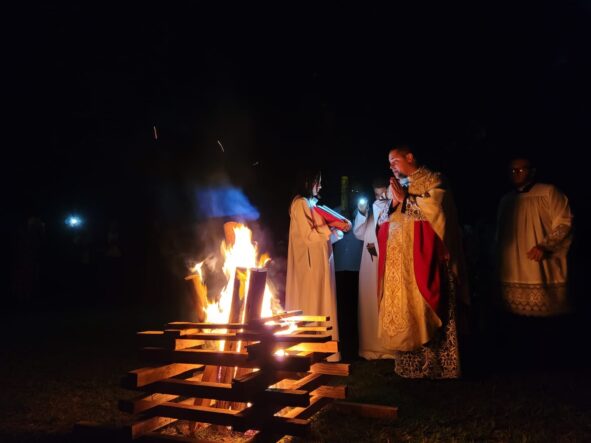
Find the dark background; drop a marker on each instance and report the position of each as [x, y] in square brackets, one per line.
[280, 87]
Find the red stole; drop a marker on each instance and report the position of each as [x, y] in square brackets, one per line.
[428, 254]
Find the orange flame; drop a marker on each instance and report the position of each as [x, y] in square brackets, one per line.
[241, 253]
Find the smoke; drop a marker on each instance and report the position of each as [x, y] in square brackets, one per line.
[225, 201]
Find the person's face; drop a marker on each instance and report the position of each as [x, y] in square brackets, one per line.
[317, 187]
[521, 172]
[402, 165]
[380, 193]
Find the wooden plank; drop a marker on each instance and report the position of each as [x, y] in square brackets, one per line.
[310, 382]
[143, 402]
[218, 391]
[276, 317]
[199, 389]
[183, 343]
[316, 404]
[331, 346]
[253, 383]
[226, 417]
[367, 410]
[204, 325]
[340, 369]
[302, 329]
[206, 357]
[311, 318]
[143, 376]
[180, 332]
[293, 363]
[336, 392]
[231, 336]
[286, 338]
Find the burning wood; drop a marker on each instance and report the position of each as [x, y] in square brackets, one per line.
[265, 371]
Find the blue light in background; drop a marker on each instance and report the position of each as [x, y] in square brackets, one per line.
[74, 221]
[225, 202]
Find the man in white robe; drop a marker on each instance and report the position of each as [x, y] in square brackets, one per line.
[364, 229]
[533, 238]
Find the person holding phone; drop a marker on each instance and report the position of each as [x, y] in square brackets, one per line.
[364, 229]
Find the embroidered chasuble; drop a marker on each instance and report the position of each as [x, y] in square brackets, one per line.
[419, 278]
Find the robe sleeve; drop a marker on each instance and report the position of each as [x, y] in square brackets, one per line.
[380, 211]
[306, 225]
[561, 216]
[360, 225]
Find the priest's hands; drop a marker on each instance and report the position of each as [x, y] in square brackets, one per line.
[398, 192]
[536, 254]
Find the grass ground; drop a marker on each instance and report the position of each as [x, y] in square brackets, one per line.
[61, 367]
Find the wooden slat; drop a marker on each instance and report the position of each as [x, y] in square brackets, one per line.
[143, 403]
[367, 410]
[212, 336]
[314, 318]
[226, 417]
[331, 346]
[144, 376]
[206, 357]
[302, 329]
[310, 382]
[336, 392]
[180, 332]
[225, 358]
[316, 404]
[276, 317]
[204, 325]
[287, 338]
[340, 369]
[183, 343]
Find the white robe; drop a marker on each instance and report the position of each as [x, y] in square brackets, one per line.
[364, 229]
[540, 216]
[311, 284]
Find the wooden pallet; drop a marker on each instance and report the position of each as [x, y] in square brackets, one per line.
[268, 376]
[275, 395]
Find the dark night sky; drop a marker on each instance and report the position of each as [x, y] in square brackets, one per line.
[283, 86]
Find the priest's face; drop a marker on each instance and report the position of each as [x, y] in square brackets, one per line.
[402, 165]
[521, 172]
